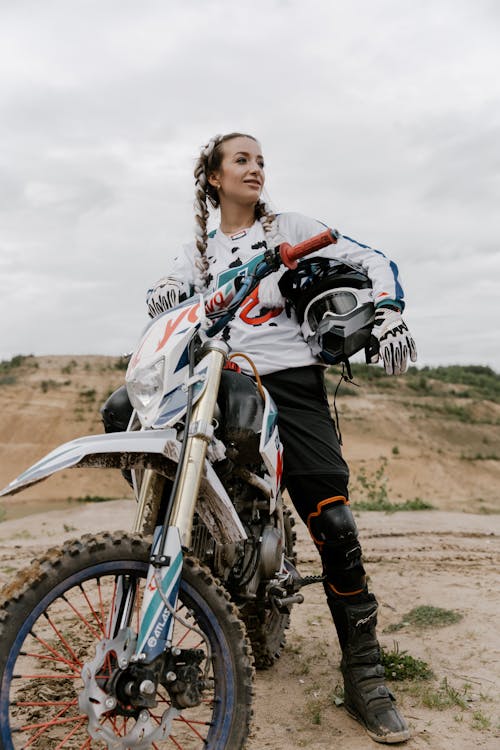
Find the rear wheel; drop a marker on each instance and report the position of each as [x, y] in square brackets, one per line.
[51, 621]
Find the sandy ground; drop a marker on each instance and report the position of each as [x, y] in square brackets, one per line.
[445, 559]
[449, 557]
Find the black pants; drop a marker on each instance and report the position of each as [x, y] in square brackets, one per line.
[314, 468]
[317, 477]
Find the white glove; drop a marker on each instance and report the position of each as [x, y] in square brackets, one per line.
[269, 292]
[168, 292]
[391, 341]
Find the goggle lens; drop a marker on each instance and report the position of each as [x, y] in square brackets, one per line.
[333, 303]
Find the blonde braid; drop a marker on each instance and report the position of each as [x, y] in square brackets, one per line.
[269, 224]
[201, 213]
[209, 161]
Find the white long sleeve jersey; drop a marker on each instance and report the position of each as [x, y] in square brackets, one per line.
[271, 338]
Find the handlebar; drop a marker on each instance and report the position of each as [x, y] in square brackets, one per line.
[224, 302]
[290, 253]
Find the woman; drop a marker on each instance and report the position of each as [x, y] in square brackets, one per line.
[230, 176]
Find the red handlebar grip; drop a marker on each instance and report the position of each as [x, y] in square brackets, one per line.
[290, 253]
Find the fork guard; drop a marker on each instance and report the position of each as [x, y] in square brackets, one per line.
[152, 449]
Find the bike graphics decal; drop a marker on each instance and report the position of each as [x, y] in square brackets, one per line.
[156, 619]
[191, 315]
[161, 330]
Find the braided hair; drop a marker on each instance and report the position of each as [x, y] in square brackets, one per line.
[209, 161]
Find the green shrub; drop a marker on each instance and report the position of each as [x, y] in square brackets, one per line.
[399, 665]
[8, 379]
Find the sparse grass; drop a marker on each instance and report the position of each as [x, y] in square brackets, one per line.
[93, 499]
[399, 665]
[313, 710]
[444, 696]
[8, 379]
[22, 535]
[448, 410]
[483, 382]
[389, 507]
[481, 457]
[49, 385]
[420, 384]
[88, 395]
[68, 369]
[302, 669]
[373, 493]
[480, 721]
[6, 365]
[427, 616]
[472, 381]
[121, 363]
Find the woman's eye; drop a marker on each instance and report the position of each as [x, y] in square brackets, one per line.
[241, 160]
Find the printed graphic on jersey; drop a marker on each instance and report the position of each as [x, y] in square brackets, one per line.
[252, 302]
[240, 270]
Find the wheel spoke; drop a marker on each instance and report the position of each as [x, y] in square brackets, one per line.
[63, 640]
[92, 610]
[80, 616]
[58, 657]
[51, 704]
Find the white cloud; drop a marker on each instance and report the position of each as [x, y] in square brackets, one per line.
[380, 118]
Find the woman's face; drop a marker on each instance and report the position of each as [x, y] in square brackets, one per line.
[240, 178]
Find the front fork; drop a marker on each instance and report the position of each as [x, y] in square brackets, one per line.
[164, 574]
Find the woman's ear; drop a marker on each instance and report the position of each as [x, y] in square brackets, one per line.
[213, 180]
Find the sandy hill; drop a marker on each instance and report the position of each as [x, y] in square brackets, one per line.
[433, 435]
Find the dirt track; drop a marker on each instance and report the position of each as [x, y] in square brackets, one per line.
[450, 560]
[445, 558]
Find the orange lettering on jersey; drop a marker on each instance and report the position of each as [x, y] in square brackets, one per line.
[170, 328]
[253, 301]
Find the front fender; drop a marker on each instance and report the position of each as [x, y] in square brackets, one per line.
[148, 449]
[113, 450]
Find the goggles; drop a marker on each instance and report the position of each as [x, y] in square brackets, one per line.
[334, 303]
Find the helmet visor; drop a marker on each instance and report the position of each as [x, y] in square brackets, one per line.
[330, 303]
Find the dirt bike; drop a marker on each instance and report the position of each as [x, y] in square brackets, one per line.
[148, 639]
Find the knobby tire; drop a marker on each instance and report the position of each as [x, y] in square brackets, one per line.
[53, 614]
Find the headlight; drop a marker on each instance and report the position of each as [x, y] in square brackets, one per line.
[146, 386]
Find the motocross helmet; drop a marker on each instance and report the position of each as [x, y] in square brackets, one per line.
[334, 305]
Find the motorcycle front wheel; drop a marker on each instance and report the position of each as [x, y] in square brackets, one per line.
[52, 618]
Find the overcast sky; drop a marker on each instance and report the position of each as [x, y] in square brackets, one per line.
[379, 117]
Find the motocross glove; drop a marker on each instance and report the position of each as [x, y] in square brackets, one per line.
[391, 341]
[165, 294]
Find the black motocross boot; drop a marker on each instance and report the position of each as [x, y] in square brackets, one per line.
[366, 697]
